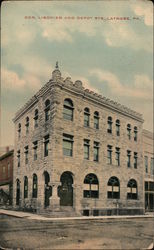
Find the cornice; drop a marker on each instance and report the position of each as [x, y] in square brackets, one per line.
[77, 89]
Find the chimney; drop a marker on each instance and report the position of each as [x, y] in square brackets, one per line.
[7, 149]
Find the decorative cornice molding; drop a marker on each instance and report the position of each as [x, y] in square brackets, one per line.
[77, 89]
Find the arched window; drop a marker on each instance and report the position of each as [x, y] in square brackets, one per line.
[25, 187]
[109, 121]
[27, 124]
[113, 188]
[132, 190]
[86, 117]
[91, 187]
[34, 186]
[36, 118]
[117, 127]
[135, 133]
[68, 110]
[129, 131]
[19, 130]
[96, 120]
[47, 109]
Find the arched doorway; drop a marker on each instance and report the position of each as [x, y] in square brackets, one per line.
[47, 190]
[65, 191]
[18, 193]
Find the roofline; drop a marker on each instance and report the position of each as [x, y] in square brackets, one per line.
[7, 154]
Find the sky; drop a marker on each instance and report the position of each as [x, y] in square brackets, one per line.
[105, 44]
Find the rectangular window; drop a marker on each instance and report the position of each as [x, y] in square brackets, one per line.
[18, 157]
[4, 170]
[67, 145]
[86, 120]
[128, 158]
[135, 135]
[109, 154]
[8, 169]
[117, 156]
[146, 163]
[135, 160]
[26, 155]
[96, 151]
[152, 166]
[46, 145]
[117, 130]
[129, 131]
[86, 149]
[35, 144]
[96, 122]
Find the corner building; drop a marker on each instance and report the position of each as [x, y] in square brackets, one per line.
[77, 153]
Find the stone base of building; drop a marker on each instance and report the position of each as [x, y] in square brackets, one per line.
[112, 212]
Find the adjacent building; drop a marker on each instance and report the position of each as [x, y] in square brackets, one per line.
[77, 152]
[148, 158]
[6, 177]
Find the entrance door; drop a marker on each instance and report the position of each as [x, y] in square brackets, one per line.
[66, 190]
[18, 193]
[48, 189]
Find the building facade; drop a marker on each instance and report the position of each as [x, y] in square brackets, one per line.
[148, 158]
[6, 178]
[77, 151]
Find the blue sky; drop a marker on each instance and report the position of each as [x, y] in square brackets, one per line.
[111, 57]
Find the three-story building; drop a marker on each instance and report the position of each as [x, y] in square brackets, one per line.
[76, 150]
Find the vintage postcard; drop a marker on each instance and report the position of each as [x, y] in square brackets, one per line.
[76, 150]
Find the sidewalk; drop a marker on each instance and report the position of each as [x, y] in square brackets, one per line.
[31, 216]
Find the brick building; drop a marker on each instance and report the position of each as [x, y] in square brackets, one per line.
[148, 154]
[6, 177]
[77, 152]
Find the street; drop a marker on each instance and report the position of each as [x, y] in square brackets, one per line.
[125, 233]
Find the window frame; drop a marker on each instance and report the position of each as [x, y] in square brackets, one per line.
[68, 151]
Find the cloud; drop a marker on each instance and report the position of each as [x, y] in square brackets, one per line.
[141, 87]
[11, 81]
[124, 35]
[145, 9]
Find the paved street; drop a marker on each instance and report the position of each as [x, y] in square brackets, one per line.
[108, 233]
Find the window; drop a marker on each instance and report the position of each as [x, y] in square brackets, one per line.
[18, 157]
[46, 145]
[152, 166]
[128, 158]
[135, 160]
[36, 118]
[25, 187]
[113, 188]
[86, 149]
[68, 110]
[26, 155]
[96, 120]
[109, 154]
[4, 171]
[117, 158]
[91, 187]
[86, 117]
[67, 145]
[96, 151]
[129, 131]
[34, 194]
[132, 190]
[117, 127]
[109, 121]
[146, 163]
[8, 169]
[47, 110]
[19, 130]
[135, 133]
[35, 144]
[27, 125]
